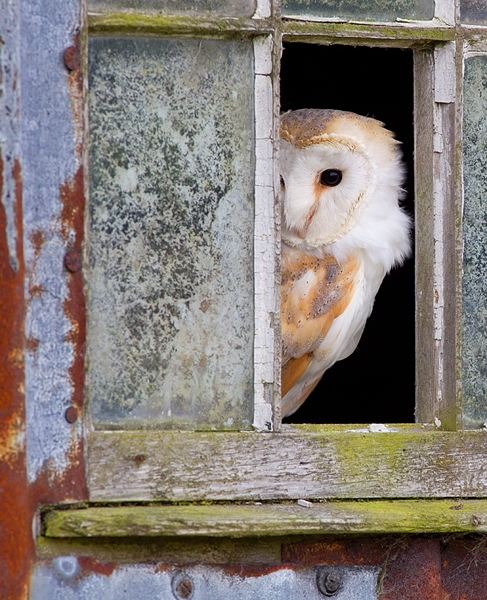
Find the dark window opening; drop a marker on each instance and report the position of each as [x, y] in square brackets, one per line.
[376, 384]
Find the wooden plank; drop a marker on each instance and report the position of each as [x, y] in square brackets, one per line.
[373, 517]
[312, 463]
[373, 34]
[426, 405]
[157, 24]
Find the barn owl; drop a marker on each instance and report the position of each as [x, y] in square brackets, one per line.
[343, 229]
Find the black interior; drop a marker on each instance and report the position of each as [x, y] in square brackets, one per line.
[376, 383]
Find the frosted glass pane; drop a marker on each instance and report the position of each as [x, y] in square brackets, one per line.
[170, 300]
[230, 8]
[473, 12]
[475, 247]
[361, 10]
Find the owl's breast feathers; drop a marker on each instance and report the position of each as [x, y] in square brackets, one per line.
[318, 319]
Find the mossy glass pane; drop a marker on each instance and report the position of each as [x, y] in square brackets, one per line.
[170, 278]
[361, 10]
[229, 8]
[475, 246]
[473, 12]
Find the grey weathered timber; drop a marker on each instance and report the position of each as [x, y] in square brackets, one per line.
[437, 231]
[318, 463]
[396, 35]
[237, 520]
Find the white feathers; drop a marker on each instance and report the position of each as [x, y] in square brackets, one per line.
[355, 218]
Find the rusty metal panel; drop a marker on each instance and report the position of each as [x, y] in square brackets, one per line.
[410, 567]
[170, 329]
[52, 133]
[16, 544]
[41, 219]
[464, 569]
[65, 579]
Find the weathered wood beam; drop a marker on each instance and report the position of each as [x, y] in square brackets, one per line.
[373, 517]
[312, 462]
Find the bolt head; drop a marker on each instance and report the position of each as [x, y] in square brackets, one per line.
[182, 587]
[72, 58]
[71, 414]
[329, 582]
[72, 261]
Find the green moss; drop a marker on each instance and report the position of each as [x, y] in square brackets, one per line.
[372, 33]
[269, 520]
[139, 24]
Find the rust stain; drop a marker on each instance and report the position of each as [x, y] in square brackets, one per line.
[464, 569]
[16, 544]
[32, 344]
[92, 565]
[255, 569]
[72, 196]
[360, 552]
[36, 291]
[70, 485]
[410, 566]
[413, 570]
[38, 239]
[52, 486]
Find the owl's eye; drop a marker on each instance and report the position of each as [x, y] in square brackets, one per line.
[331, 177]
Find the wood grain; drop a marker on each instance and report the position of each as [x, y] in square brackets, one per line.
[314, 464]
[373, 517]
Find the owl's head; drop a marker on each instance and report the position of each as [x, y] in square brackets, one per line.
[341, 177]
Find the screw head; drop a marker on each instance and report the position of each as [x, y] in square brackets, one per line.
[72, 261]
[71, 414]
[329, 582]
[182, 587]
[72, 58]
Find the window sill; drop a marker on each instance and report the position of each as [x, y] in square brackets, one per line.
[239, 521]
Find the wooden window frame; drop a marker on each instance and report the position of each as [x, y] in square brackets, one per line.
[431, 459]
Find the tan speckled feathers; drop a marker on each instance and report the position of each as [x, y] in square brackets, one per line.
[306, 127]
[314, 292]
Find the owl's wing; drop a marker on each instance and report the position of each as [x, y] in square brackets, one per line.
[314, 292]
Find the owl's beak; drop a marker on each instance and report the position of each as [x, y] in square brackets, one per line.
[302, 230]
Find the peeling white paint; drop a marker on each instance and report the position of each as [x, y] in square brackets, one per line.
[444, 94]
[263, 9]
[265, 290]
[445, 11]
[445, 76]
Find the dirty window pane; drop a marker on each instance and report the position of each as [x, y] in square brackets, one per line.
[475, 235]
[229, 8]
[170, 253]
[362, 10]
[473, 11]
